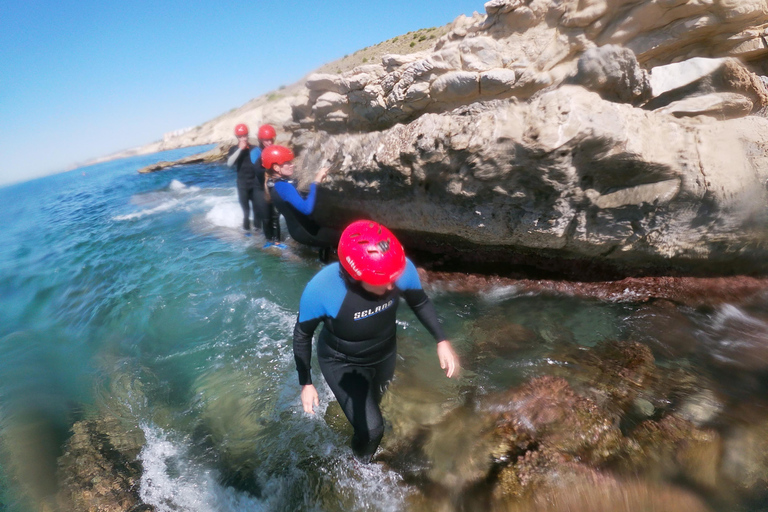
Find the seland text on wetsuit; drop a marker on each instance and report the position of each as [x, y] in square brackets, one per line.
[356, 348]
[250, 186]
[297, 211]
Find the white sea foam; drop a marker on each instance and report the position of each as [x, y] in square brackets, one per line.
[175, 197]
[172, 482]
[225, 213]
[730, 314]
[163, 207]
[178, 186]
[499, 294]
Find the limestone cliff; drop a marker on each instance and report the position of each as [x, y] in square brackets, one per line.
[619, 136]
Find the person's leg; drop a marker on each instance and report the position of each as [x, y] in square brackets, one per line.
[260, 207]
[328, 237]
[252, 205]
[359, 389]
[243, 195]
[271, 224]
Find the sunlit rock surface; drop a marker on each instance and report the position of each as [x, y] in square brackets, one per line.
[551, 135]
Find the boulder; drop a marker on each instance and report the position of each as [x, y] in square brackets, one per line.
[455, 86]
[730, 89]
[613, 73]
[722, 105]
[497, 82]
[567, 173]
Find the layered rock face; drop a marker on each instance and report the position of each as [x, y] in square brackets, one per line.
[524, 46]
[558, 135]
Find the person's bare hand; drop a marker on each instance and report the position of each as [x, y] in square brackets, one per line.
[321, 174]
[242, 143]
[309, 398]
[449, 361]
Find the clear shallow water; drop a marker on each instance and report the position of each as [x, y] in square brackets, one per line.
[139, 295]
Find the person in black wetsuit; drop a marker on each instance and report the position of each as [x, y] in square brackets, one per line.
[356, 300]
[296, 208]
[250, 177]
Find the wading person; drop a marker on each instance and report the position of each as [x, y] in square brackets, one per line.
[295, 207]
[356, 299]
[246, 160]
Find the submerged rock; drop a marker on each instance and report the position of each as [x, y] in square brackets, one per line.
[664, 328]
[99, 469]
[579, 489]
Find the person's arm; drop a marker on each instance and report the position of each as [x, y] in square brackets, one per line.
[410, 285]
[302, 355]
[322, 297]
[289, 194]
[302, 348]
[233, 156]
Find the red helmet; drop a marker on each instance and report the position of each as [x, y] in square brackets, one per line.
[275, 155]
[241, 130]
[266, 132]
[371, 253]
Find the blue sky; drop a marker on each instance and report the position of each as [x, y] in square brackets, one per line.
[84, 79]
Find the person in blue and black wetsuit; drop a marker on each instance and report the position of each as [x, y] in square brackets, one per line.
[296, 208]
[356, 300]
[246, 160]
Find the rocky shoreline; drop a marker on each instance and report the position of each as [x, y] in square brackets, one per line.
[582, 141]
[615, 151]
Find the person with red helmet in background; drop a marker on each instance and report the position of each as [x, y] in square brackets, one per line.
[296, 208]
[356, 299]
[250, 175]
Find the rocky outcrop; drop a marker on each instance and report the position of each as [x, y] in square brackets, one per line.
[216, 154]
[621, 137]
[99, 469]
[504, 158]
[524, 46]
[605, 426]
[566, 175]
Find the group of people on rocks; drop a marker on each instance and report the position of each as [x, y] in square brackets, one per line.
[264, 185]
[356, 298]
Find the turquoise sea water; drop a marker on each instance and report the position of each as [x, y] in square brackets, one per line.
[140, 296]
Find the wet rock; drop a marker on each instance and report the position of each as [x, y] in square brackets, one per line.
[664, 328]
[618, 372]
[496, 337]
[745, 457]
[643, 408]
[584, 490]
[411, 410]
[234, 406]
[99, 469]
[700, 408]
[547, 411]
[459, 450]
[690, 291]
[674, 448]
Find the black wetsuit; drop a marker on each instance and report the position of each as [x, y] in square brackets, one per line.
[297, 211]
[250, 188]
[357, 348]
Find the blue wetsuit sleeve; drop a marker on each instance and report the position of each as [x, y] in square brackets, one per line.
[289, 194]
[410, 286]
[255, 155]
[321, 298]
